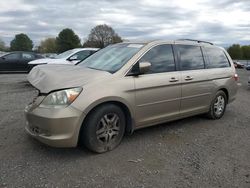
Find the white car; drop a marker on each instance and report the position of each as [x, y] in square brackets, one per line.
[69, 57]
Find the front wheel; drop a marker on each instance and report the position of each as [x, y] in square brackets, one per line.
[104, 128]
[218, 106]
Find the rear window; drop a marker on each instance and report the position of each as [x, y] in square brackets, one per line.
[190, 57]
[216, 58]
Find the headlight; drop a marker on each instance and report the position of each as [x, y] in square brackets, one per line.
[61, 99]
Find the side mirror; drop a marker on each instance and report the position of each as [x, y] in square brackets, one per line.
[144, 67]
[140, 68]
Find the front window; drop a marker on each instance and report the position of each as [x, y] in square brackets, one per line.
[12, 56]
[161, 58]
[111, 58]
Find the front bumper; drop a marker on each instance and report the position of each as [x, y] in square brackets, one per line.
[54, 127]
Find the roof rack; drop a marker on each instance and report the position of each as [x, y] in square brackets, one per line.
[198, 41]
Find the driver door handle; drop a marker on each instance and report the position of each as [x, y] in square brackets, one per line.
[173, 79]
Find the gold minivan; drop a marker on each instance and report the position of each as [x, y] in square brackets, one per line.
[128, 86]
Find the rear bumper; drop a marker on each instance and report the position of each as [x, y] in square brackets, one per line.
[54, 127]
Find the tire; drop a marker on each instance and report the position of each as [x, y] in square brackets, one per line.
[218, 106]
[104, 128]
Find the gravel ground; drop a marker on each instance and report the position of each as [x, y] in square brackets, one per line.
[193, 152]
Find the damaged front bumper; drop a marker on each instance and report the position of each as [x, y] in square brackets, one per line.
[57, 127]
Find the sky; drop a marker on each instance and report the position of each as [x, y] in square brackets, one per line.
[223, 22]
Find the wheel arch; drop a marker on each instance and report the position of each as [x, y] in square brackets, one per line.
[225, 91]
[130, 123]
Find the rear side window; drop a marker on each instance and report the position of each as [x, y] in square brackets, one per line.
[28, 56]
[161, 58]
[81, 55]
[190, 57]
[216, 58]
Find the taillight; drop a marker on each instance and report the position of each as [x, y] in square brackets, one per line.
[236, 77]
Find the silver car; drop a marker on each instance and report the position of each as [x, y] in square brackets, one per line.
[128, 86]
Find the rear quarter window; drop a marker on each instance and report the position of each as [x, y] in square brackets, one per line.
[216, 58]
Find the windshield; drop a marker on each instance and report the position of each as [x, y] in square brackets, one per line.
[111, 58]
[64, 54]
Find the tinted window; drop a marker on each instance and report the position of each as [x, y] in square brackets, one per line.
[81, 55]
[216, 58]
[28, 56]
[12, 56]
[161, 59]
[92, 51]
[190, 57]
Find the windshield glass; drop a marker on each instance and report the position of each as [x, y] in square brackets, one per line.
[111, 58]
[64, 54]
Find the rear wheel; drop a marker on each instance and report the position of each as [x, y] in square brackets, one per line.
[218, 106]
[104, 128]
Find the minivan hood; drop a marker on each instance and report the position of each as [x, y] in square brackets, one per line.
[47, 78]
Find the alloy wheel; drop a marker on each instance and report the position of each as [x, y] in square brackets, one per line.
[108, 128]
[219, 105]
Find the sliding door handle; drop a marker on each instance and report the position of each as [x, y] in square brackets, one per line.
[189, 78]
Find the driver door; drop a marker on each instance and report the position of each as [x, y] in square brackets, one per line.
[158, 92]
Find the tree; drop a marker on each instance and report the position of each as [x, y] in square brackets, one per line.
[246, 52]
[48, 46]
[235, 51]
[101, 36]
[2, 45]
[21, 42]
[67, 40]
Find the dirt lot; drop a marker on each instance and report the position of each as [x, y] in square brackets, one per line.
[194, 152]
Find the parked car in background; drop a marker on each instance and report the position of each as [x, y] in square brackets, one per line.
[70, 57]
[49, 55]
[2, 53]
[17, 61]
[248, 67]
[238, 65]
[128, 86]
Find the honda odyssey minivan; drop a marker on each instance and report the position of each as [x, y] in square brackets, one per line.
[128, 86]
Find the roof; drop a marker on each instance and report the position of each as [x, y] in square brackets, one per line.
[178, 41]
